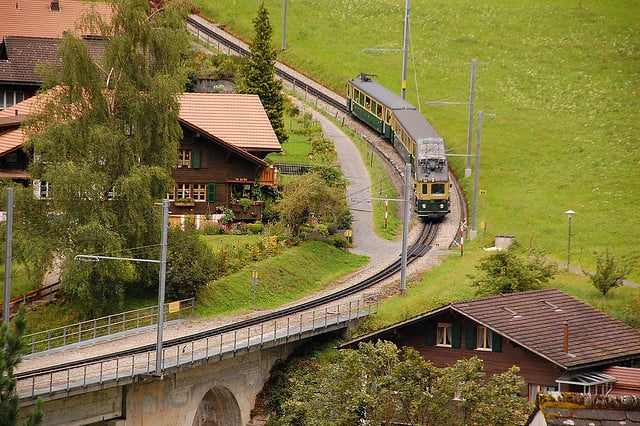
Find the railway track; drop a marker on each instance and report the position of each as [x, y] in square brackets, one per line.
[416, 250]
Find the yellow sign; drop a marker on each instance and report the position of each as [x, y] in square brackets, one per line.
[348, 233]
[174, 307]
[483, 192]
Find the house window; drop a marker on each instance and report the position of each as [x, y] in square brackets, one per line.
[443, 336]
[184, 160]
[196, 191]
[41, 189]
[12, 159]
[183, 190]
[534, 389]
[9, 98]
[200, 191]
[484, 338]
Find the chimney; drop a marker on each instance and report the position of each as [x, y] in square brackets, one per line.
[54, 6]
[566, 336]
[17, 6]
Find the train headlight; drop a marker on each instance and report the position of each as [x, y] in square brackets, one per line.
[423, 205]
[441, 206]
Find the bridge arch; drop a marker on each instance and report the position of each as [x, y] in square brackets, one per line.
[218, 407]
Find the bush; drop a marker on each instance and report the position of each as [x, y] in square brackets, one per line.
[255, 228]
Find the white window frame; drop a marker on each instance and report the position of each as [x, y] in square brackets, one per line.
[444, 334]
[484, 338]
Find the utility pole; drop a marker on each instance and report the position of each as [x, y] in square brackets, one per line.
[405, 228]
[476, 177]
[7, 265]
[467, 170]
[405, 49]
[284, 26]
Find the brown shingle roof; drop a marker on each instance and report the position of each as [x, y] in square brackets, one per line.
[236, 119]
[535, 320]
[23, 53]
[34, 18]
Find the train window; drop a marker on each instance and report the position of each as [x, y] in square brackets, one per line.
[425, 189]
[437, 188]
[374, 106]
[367, 102]
[379, 111]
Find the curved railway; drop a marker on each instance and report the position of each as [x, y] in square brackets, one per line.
[420, 247]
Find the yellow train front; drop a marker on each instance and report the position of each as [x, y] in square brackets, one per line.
[432, 179]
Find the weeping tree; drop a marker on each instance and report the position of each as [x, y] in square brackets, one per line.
[257, 75]
[103, 141]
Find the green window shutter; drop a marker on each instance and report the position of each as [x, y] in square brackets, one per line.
[496, 342]
[470, 336]
[456, 336]
[431, 333]
[196, 158]
[211, 192]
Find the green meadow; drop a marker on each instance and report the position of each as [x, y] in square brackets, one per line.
[558, 82]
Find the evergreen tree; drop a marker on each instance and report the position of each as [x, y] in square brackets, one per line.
[257, 75]
[105, 140]
[10, 356]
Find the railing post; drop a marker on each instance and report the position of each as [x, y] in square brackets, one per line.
[95, 328]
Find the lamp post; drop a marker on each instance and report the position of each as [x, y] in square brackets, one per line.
[163, 274]
[569, 214]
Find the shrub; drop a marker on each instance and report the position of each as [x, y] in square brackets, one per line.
[255, 228]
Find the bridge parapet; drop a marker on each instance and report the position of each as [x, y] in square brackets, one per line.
[80, 377]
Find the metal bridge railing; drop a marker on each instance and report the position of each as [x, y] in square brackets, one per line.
[211, 348]
[105, 326]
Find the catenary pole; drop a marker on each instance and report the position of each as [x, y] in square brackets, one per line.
[476, 176]
[405, 49]
[405, 228]
[7, 265]
[163, 274]
[472, 85]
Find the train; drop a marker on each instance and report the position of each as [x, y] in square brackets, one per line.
[412, 136]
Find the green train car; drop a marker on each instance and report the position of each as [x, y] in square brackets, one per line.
[412, 136]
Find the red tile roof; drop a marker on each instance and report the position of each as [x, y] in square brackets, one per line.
[627, 380]
[14, 138]
[247, 128]
[236, 119]
[34, 18]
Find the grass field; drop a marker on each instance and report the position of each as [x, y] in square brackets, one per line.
[562, 80]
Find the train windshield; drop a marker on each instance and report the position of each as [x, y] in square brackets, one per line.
[437, 188]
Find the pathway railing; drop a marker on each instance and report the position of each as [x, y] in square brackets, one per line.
[105, 326]
[211, 348]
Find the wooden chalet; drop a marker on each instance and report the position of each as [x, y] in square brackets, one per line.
[559, 343]
[221, 156]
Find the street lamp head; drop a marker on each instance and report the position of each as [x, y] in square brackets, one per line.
[569, 213]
